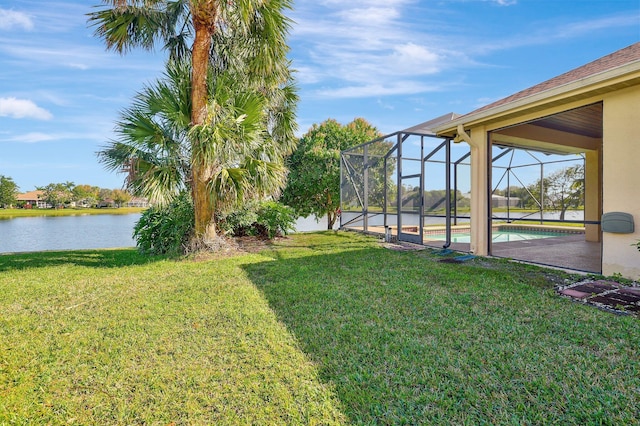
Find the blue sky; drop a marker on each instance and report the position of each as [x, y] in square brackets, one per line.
[394, 62]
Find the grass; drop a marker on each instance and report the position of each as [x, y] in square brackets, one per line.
[12, 213]
[320, 328]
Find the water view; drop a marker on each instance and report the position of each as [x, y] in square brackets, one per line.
[27, 234]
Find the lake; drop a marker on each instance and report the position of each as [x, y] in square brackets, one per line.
[27, 234]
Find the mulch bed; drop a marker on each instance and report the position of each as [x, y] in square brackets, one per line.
[233, 246]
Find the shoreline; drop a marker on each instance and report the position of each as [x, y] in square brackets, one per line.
[17, 213]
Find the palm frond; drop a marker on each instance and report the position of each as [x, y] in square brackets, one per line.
[159, 182]
[124, 28]
[178, 32]
[125, 25]
[228, 187]
[282, 123]
[265, 178]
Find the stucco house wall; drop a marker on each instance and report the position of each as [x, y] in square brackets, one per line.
[621, 178]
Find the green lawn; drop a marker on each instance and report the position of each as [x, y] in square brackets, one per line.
[318, 329]
[11, 213]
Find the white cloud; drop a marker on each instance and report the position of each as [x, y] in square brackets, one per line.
[345, 47]
[408, 60]
[22, 108]
[357, 3]
[83, 136]
[79, 66]
[384, 105]
[371, 90]
[57, 53]
[308, 75]
[575, 29]
[358, 48]
[52, 97]
[551, 33]
[33, 137]
[370, 15]
[52, 53]
[418, 59]
[10, 19]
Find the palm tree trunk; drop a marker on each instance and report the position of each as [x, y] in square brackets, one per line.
[204, 24]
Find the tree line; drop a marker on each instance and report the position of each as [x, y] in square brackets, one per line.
[559, 191]
[64, 194]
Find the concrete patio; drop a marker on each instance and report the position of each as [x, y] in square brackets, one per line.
[571, 252]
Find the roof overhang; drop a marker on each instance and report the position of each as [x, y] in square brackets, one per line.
[427, 127]
[607, 81]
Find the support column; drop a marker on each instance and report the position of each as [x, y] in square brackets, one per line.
[593, 194]
[478, 142]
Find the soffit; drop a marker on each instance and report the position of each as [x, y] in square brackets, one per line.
[585, 121]
[569, 132]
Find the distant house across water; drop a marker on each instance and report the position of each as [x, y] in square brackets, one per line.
[137, 202]
[32, 199]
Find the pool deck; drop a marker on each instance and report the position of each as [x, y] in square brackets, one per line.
[567, 252]
[570, 252]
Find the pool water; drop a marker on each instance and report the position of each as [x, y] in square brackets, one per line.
[498, 236]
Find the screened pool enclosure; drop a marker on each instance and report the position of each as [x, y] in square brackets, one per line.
[407, 185]
[415, 187]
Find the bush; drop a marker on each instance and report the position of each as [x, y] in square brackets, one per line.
[239, 222]
[275, 219]
[266, 219]
[165, 230]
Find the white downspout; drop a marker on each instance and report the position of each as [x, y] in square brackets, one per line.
[463, 136]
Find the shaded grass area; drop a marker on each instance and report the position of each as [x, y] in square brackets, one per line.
[11, 213]
[319, 328]
[407, 340]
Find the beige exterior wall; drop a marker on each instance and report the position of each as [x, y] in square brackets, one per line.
[621, 179]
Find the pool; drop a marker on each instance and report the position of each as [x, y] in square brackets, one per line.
[498, 236]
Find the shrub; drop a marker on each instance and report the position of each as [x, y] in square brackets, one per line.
[165, 230]
[266, 219]
[275, 219]
[239, 222]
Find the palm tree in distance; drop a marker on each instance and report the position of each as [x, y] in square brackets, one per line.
[221, 41]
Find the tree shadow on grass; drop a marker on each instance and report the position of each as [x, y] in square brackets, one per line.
[103, 258]
[404, 339]
[347, 311]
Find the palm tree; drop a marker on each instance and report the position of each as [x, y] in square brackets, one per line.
[239, 39]
[155, 134]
